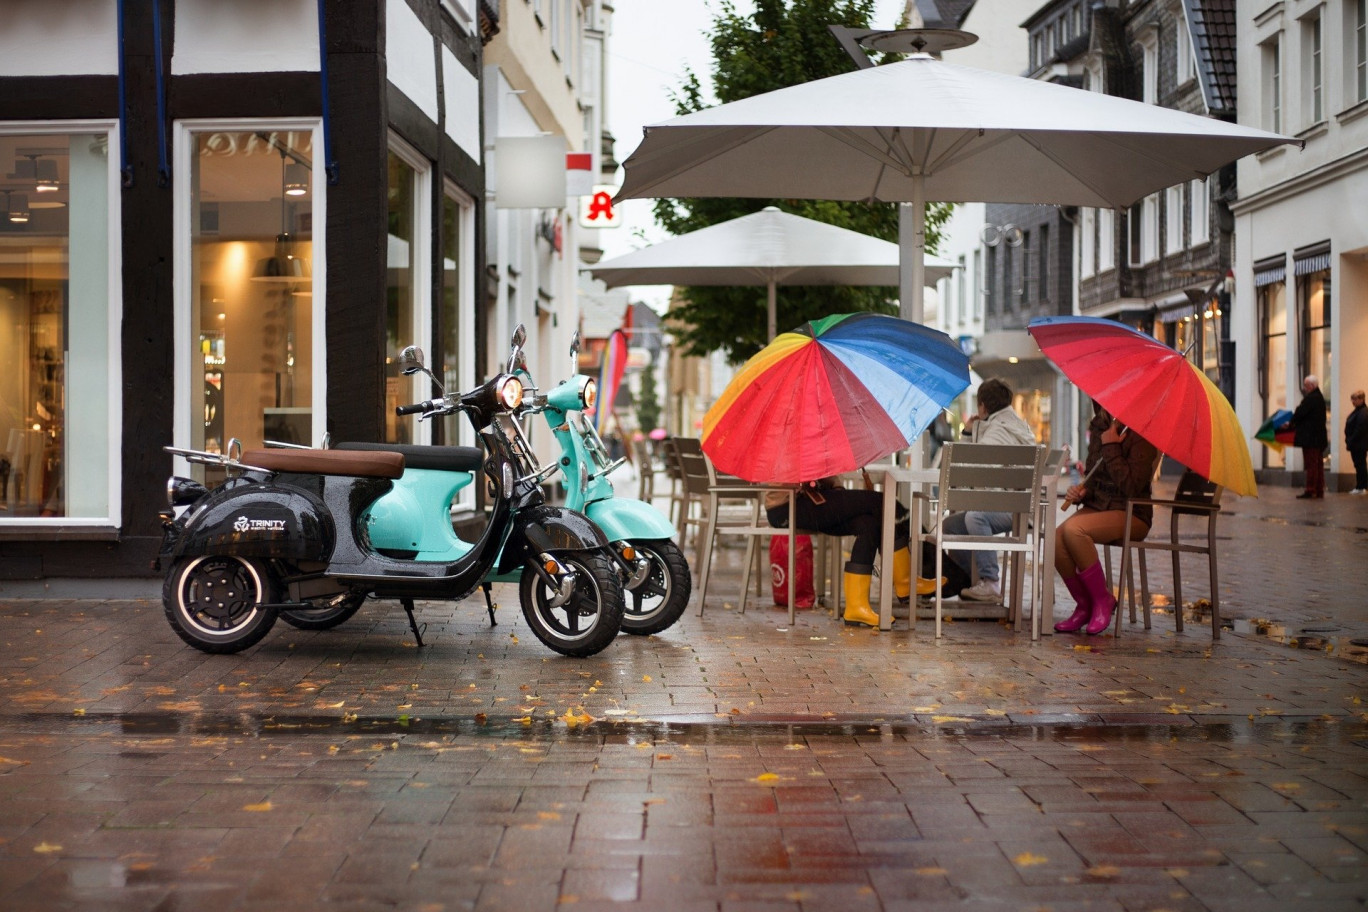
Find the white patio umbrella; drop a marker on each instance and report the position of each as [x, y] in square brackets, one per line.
[771, 248]
[923, 129]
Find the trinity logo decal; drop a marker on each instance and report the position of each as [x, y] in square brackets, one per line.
[243, 524]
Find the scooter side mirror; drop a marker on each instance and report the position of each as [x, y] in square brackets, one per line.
[516, 359]
[411, 360]
[575, 345]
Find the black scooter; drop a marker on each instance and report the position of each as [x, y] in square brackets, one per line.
[283, 533]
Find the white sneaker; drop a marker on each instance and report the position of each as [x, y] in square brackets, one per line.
[1359, 491]
[983, 591]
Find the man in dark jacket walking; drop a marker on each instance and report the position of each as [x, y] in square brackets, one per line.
[1309, 433]
[1356, 440]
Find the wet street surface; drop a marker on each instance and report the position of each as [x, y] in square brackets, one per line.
[734, 762]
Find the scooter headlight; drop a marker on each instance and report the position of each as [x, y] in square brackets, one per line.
[511, 393]
[589, 394]
[182, 492]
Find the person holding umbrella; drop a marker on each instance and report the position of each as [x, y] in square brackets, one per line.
[825, 507]
[1120, 466]
[1308, 433]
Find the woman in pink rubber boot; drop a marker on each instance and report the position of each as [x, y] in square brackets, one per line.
[1120, 466]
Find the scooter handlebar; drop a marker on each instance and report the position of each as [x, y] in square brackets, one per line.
[430, 405]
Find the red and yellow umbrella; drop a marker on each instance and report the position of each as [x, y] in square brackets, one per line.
[1155, 391]
[831, 396]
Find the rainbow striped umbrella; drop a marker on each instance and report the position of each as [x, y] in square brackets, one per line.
[610, 378]
[831, 396]
[1155, 391]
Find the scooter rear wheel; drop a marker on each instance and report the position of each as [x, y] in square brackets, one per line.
[214, 602]
[324, 618]
[589, 620]
[661, 598]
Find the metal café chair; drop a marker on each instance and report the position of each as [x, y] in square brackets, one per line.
[991, 478]
[1194, 497]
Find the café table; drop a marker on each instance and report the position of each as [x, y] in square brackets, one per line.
[889, 478]
[920, 482]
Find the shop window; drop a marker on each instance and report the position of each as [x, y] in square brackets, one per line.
[1271, 293]
[1211, 342]
[248, 300]
[59, 321]
[407, 293]
[1314, 316]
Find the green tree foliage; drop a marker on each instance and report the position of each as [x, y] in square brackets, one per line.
[783, 43]
[648, 401]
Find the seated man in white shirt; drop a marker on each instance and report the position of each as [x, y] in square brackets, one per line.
[996, 422]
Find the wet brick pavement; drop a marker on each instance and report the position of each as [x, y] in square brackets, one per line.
[732, 763]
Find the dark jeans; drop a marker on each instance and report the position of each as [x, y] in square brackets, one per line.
[846, 512]
[1360, 458]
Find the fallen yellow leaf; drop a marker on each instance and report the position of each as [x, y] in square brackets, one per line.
[263, 806]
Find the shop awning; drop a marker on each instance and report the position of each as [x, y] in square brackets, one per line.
[1311, 259]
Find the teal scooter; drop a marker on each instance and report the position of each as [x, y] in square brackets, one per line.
[413, 520]
[657, 581]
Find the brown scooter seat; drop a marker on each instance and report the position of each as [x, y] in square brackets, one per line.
[369, 464]
[424, 456]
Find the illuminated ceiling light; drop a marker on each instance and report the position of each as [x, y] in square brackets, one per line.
[45, 175]
[18, 208]
[296, 179]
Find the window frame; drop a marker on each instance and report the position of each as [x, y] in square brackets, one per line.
[1106, 240]
[113, 343]
[1173, 219]
[465, 328]
[1199, 212]
[1087, 243]
[1313, 67]
[184, 366]
[1271, 82]
[1356, 52]
[422, 252]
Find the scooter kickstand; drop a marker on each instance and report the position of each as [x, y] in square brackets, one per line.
[489, 603]
[413, 624]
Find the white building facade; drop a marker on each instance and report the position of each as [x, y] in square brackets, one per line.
[1301, 220]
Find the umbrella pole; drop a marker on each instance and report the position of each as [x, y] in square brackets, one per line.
[912, 253]
[911, 276]
[771, 310]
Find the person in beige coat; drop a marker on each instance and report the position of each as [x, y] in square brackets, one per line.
[996, 422]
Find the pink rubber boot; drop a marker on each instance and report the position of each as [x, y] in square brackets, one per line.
[1103, 604]
[1082, 612]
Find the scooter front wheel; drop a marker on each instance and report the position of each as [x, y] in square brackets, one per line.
[589, 619]
[660, 599]
[214, 602]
